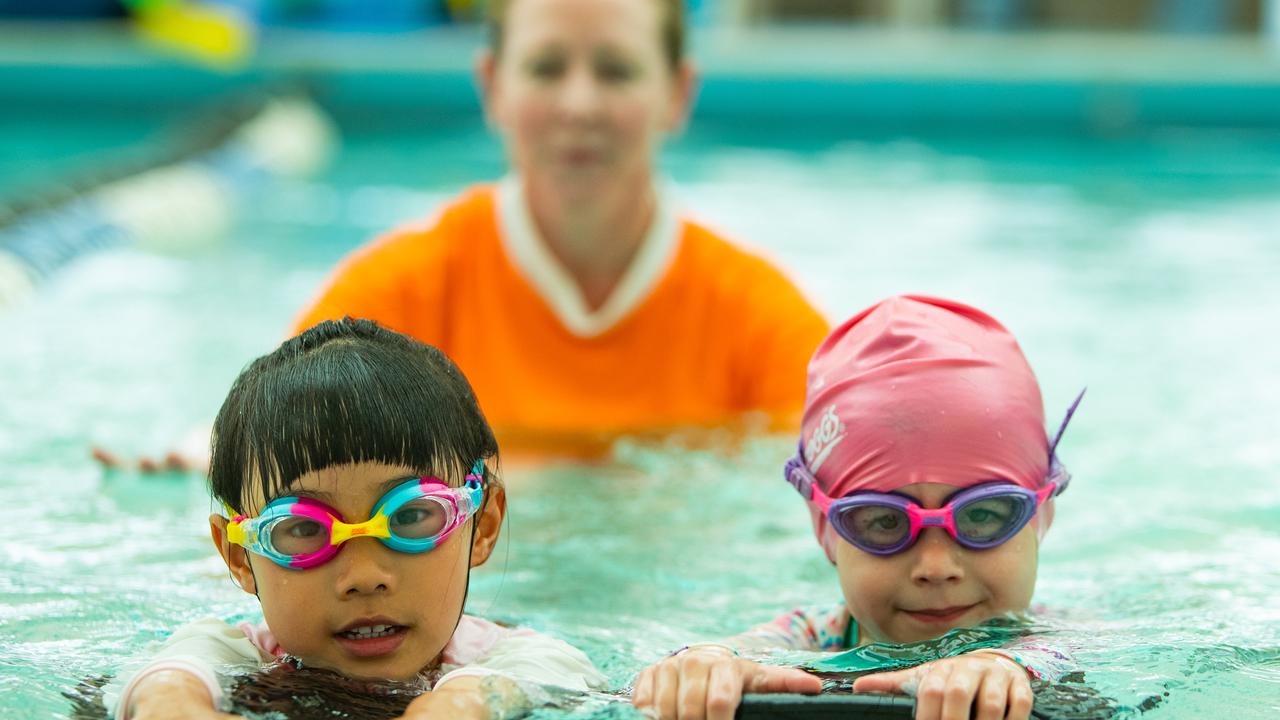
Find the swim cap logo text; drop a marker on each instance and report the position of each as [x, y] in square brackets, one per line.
[824, 438]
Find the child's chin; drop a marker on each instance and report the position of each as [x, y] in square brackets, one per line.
[907, 638]
[394, 667]
[373, 673]
[913, 632]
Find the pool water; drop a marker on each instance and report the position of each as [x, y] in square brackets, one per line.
[1142, 266]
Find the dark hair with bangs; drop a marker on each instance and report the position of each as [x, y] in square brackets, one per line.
[345, 391]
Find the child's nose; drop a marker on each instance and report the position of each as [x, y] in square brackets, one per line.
[937, 558]
[363, 568]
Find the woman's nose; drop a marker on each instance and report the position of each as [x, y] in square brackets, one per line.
[364, 566]
[580, 93]
[937, 558]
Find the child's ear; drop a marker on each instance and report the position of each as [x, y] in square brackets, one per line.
[236, 558]
[488, 523]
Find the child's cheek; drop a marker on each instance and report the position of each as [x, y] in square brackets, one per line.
[291, 603]
[1012, 574]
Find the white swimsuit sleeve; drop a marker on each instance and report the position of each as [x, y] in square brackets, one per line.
[197, 648]
[535, 658]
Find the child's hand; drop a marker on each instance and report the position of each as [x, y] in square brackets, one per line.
[947, 689]
[172, 695]
[709, 683]
[171, 462]
[190, 455]
[491, 697]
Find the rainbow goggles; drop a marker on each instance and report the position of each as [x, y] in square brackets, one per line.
[413, 517]
[979, 517]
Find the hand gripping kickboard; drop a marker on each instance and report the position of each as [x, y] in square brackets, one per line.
[822, 707]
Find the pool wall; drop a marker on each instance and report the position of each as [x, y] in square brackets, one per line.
[1089, 82]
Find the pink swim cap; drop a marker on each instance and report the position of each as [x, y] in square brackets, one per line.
[921, 390]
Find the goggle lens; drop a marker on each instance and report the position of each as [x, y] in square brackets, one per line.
[989, 520]
[297, 535]
[422, 518]
[876, 526]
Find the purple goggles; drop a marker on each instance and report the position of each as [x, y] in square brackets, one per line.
[978, 518]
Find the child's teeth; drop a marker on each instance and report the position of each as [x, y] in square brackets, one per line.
[371, 631]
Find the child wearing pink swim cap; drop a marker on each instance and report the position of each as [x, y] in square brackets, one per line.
[924, 462]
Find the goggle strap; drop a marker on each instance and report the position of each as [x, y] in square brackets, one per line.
[802, 484]
[477, 491]
[798, 476]
[1046, 492]
[1053, 447]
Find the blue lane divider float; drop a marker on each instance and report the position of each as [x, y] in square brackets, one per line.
[171, 206]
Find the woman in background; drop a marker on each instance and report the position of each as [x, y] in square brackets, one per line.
[577, 297]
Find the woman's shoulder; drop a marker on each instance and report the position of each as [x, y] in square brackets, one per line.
[746, 278]
[705, 246]
[457, 222]
[474, 206]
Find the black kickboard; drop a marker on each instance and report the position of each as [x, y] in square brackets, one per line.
[821, 707]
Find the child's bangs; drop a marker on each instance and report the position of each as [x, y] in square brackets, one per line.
[347, 402]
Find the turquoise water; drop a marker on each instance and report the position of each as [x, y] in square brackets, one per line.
[1142, 266]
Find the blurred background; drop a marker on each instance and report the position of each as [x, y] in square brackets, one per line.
[1213, 16]
[177, 178]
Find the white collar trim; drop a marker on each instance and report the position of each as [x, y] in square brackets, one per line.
[558, 289]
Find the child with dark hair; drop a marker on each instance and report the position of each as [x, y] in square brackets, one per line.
[344, 422]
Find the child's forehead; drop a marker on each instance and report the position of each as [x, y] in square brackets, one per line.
[335, 479]
[353, 483]
[928, 494]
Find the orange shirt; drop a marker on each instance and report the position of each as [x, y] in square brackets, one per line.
[703, 333]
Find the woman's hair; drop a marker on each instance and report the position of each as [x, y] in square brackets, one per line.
[345, 391]
[672, 27]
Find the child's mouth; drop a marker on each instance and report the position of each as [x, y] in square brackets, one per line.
[940, 615]
[372, 640]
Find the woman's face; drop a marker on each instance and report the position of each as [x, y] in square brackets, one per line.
[583, 92]
[413, 600]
